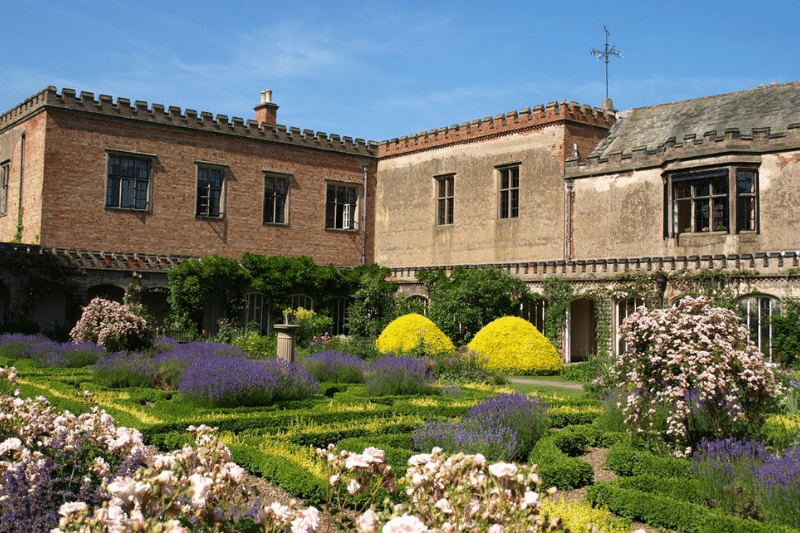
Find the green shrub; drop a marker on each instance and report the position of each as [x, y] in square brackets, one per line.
[557, 469]
[624, 459]
[414, 335]
[578, 372]
[512, 345]
[568, 415]
[573, 441]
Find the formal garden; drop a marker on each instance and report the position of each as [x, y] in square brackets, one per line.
[408, 424]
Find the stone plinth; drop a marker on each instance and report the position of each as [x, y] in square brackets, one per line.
[286, 336]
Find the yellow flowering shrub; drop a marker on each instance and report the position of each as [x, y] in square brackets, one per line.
[583, 518]
[512, 345]
[414, 332]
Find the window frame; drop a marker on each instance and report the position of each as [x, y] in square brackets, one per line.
[733, 200]
[5, 177]
[272, 201]
[761, 328]
[205, 165]
[445, 199]
[508, 180]
[623, 308]
[148, 195]
[346, 218]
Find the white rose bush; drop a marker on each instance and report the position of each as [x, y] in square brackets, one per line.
[84, 474]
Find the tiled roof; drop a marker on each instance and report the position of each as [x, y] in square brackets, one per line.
[775, 106]
[118, 261]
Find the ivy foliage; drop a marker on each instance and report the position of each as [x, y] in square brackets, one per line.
[195, 282]
[786, 334]
[373, 306]
[467, 299]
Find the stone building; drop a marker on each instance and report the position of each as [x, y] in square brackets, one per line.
[628, 208]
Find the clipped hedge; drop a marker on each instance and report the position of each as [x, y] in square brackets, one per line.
[665, 512]
[624, 459]
[568, 415]
[411, 333]
[557, 469]
[512, 345]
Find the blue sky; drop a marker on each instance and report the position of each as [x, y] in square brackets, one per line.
[378, 70]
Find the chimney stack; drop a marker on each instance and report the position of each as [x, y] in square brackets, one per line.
[266, 111]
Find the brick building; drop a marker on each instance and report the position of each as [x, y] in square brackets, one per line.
[626, 206]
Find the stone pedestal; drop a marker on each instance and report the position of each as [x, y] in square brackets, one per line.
[286, 336]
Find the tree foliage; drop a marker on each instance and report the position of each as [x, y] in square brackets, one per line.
[468, 299]
[786, 334]
[373, 306]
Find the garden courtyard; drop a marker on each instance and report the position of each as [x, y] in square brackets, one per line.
[119, 429]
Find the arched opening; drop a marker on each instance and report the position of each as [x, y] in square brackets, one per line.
[49, 308]
[256, 311]
[301, 300]
[106, 292]
[582, 331]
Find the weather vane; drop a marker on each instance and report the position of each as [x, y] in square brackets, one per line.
[605, 54]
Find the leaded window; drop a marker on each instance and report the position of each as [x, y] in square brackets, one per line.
[210, 183]
[128, 184]
[444, 197]
[276, 195]
[4, 172]
[340, 207]
[509, 192]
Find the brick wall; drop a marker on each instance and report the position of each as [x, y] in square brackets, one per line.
[74, 213]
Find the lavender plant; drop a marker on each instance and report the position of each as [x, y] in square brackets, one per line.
[697, 361]
[504, 427]
[49, 458]
[747, 479]
[392, 376]
[233, 382]
[337, 367]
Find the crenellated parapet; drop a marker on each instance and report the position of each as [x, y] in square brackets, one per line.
[511, 122]
[123, 108]
[692, 146]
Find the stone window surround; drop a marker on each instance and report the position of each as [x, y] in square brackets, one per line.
[5, 173]
[729, 163]
[444, 190]
[508, 189]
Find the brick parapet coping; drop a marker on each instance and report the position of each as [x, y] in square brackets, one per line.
[502, 124]
[731, 142]
[85, 102]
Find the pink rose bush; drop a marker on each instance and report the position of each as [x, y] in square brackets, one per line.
[695, 366]
[113, 326]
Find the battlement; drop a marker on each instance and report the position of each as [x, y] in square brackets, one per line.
[105, 105]
[711, 143]
[511, 122]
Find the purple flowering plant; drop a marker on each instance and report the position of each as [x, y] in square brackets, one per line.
[394, 376]
[504, 427]
[697, 364]
[749, 480]
[233, 382]
[336, 367]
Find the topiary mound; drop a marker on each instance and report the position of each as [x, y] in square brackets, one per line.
[514, 346]
[414, 333]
